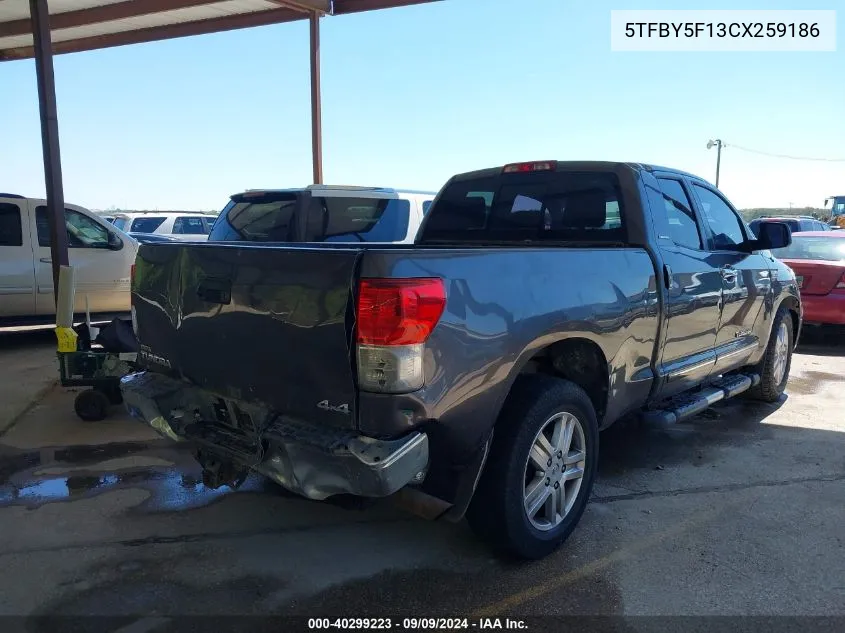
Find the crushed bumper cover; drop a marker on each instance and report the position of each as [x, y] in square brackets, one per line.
[312, 461]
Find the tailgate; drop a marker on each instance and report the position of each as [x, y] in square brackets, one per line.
[265, 324]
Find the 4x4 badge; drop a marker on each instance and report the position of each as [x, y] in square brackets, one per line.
[341, 408]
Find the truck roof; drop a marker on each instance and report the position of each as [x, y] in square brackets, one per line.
[585, 165]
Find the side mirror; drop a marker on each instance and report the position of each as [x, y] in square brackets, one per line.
[772, 235]
[115, 243]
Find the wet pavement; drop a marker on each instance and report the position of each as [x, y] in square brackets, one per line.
[739, 511]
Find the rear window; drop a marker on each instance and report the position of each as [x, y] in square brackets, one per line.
[190, 225]
[830, 249]
[146, 225]
[263, 218]
[342, 219]
[271, 218]
[560, 206]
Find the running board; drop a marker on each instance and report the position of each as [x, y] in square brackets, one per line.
[687, 405]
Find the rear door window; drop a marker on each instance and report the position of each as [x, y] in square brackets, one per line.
[564, 206]
[190, 225]
[343, 219]
[146, 225]
[10, 225]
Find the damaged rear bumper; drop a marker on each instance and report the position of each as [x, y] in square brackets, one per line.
[315, 462]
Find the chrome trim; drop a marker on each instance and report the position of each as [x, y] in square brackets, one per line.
[736, 352]
[685, 370]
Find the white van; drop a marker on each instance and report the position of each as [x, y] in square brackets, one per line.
[102, 254]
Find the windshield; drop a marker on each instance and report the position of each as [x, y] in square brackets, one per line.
[830, 249]
[569, 206]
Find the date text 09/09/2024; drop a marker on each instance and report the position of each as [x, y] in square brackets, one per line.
[416, 624]
[722, 29]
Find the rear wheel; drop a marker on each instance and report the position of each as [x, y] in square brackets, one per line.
[541, 468]
[92, 405]
[777, 361]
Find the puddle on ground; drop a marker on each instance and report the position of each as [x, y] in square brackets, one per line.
[169, 490]
[809, 382]
[12, 461]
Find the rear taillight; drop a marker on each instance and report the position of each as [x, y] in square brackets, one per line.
[394, 319]
[132, 276]
[521, 168]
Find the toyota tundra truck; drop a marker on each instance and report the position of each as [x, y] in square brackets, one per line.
[474, 369]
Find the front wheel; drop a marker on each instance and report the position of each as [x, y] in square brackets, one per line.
[538, 478]
[777, 361]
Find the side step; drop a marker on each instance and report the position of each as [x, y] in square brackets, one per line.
[687, 405]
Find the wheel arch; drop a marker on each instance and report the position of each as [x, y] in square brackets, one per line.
[793, 306]
[590, 369]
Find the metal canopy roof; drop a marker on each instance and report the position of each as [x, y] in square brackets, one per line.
[82, 25]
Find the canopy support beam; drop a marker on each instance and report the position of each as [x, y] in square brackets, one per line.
[43, 49]
[316, 101]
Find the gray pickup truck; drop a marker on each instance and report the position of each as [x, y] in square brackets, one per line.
[474, 369]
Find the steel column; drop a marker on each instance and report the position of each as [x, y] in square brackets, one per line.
[316, 106]
[40, 16]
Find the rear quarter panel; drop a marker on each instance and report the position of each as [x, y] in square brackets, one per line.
[504, 305]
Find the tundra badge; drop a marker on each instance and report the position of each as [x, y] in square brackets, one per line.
[148, 356]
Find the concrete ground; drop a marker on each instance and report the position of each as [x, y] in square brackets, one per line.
[28, 368]
[739, 511]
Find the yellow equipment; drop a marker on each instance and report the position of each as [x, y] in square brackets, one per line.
[837, 211]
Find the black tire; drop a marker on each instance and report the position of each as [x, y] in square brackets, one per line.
[91, 405]
[771, 386]
[497, 512]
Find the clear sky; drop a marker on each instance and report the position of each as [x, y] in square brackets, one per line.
[413, 95]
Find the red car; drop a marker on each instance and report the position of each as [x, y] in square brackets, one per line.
[818, 259]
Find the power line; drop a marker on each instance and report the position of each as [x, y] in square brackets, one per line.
[790, 157]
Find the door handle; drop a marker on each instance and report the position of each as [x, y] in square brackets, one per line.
[46, 260]
[728, 274]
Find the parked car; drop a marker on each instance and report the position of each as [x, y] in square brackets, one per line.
[323, 213]
[795, 224]
[475, 368]
[818, 259]
[101, 253]
[184, 225]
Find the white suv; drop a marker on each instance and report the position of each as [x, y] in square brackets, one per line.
[323, 213]
[184, 225]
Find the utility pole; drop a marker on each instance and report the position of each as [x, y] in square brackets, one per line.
[718, 144]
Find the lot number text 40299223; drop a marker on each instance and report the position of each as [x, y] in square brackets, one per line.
[417, 624]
